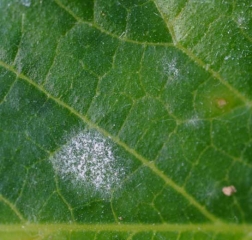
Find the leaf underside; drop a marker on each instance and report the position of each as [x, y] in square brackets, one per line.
[124, 119]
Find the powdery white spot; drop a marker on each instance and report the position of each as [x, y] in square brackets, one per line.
[194, 122]
[170, 67]
[240, 21]
[208, 192]
[88, 159]
[229, 191]
[3, 53]
[227, 57]
[26, 3]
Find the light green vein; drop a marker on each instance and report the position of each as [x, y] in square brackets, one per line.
[242, 31]
[63, 199]
[167, 23]
[78, 19]
[144, 161]
[9, 90]
[131, 236]
[12, 207]
[47, 228]
[18, 46]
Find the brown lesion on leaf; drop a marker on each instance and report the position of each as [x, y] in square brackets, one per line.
[215, 99]
[221, 103]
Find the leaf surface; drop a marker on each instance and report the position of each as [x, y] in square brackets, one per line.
[125, 119]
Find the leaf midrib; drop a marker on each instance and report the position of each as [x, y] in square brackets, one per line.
[120, 227]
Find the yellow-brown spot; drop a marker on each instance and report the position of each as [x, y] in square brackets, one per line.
[221, 102]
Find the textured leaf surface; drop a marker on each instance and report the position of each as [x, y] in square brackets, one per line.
[124, 119]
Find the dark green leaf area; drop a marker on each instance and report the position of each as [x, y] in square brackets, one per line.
[7, 80]
[7, 215]
[111, 16]
[152, 203]
[145, 24]
[9, 45]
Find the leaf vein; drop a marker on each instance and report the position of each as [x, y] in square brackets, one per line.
[135, 228]
[7, 93]
[55, 55]
[22, 33]
[63, 199]
[12, 207]
[181, 10]
[120, 38]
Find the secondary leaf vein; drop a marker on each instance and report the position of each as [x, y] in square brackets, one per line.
[12, 207]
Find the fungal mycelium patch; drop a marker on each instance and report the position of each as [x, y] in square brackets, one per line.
[88, 159]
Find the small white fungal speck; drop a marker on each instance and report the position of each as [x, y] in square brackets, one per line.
[170, 67]
[88, 159]
[229, 191]
[26, 3]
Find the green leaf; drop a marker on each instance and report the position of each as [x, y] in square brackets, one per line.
[125, 119]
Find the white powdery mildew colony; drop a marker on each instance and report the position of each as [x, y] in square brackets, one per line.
[170, 67]
[87, 159]
[26, 3]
